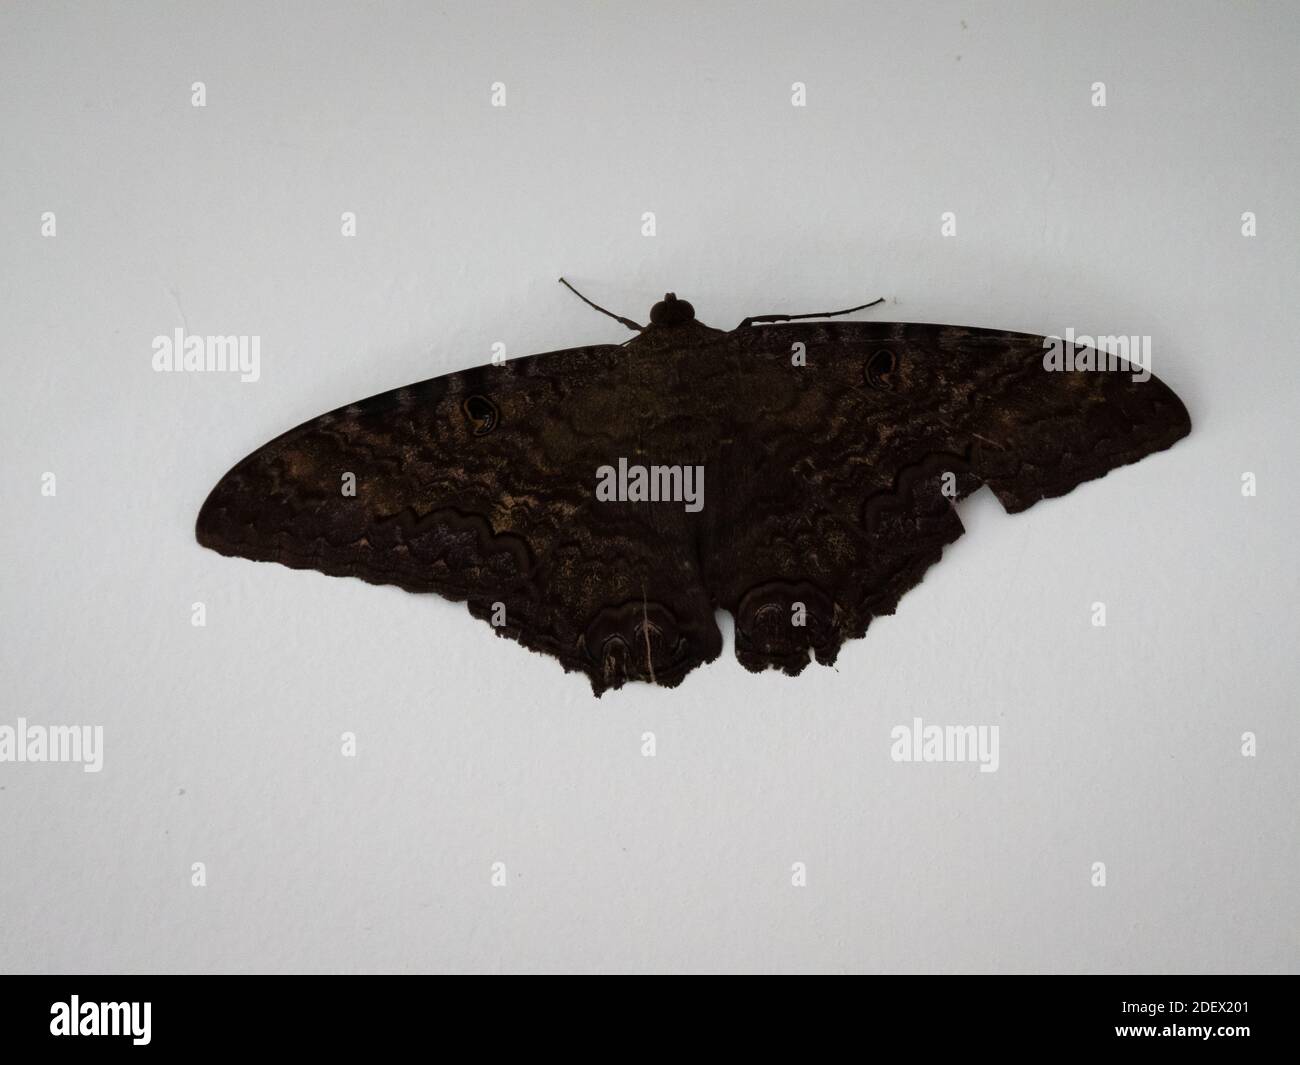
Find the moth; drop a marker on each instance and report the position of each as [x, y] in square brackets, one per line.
[600, 504]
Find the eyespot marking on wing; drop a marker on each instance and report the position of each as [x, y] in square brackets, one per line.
[880, 371]
[482, 413]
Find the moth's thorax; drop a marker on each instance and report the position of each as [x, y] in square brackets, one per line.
[689, 334]
[672, 322]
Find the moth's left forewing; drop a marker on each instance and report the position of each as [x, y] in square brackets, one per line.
[421, 486]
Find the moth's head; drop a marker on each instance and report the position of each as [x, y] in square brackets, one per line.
[671, 312]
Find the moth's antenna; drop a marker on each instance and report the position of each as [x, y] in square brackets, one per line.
[617, 317]
[796, 317]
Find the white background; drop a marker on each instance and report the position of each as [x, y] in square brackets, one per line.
[1118, 744]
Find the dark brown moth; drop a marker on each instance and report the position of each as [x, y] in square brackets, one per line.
[599, 504]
